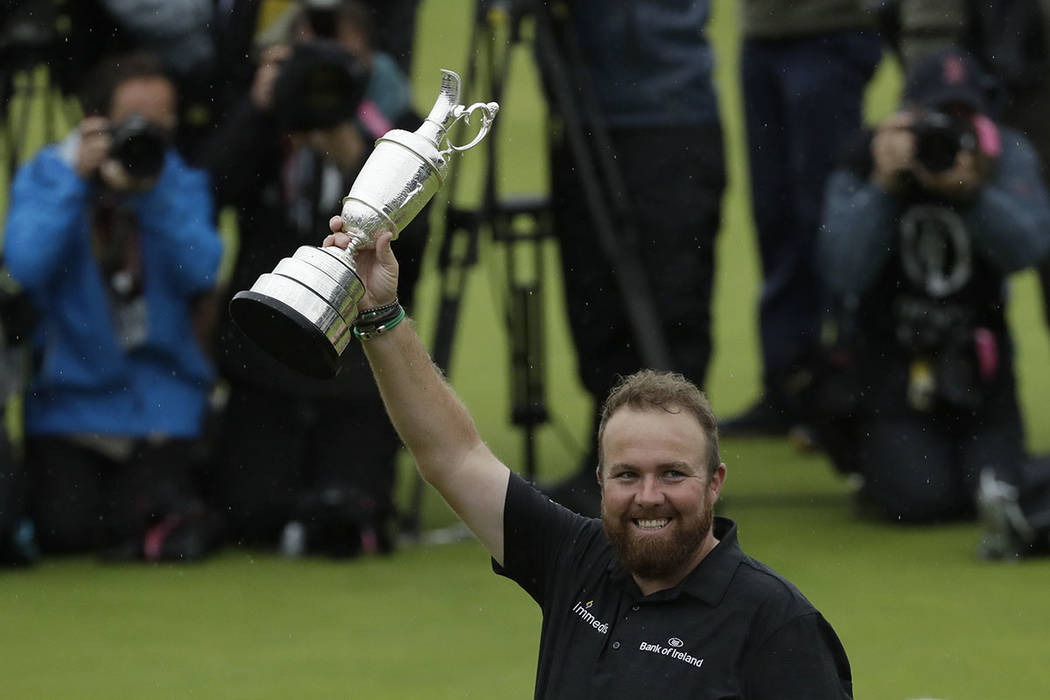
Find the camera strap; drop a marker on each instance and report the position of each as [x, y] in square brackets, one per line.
[117, 247]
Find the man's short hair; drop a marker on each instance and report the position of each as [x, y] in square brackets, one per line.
[669, 391]
[96, 96]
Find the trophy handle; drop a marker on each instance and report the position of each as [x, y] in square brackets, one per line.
[488, 114]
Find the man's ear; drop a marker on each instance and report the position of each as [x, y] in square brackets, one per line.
[716, 481]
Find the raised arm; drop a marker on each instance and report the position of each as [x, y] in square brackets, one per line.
[433, 423]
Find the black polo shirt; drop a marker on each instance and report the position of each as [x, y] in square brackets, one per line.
[733, 628]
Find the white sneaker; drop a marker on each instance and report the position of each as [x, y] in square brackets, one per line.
[1006, 531]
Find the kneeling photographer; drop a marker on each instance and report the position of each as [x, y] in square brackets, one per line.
[110, 234]
[924, 220]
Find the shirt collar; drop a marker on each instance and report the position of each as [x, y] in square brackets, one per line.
[711, 577]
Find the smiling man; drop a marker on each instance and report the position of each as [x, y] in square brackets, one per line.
[656, 600]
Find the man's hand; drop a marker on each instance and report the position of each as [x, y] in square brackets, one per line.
[93, 157]
[118, 179]
[342, 143]
[893, 151]
[377, 267]
[266, 75]
[94, 145]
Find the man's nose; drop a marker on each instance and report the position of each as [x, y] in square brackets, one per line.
[650, 491]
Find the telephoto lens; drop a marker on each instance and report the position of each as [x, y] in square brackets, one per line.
[938, 139]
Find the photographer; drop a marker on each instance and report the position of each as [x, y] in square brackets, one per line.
[284, 159]
[110, 234]
[922, 225]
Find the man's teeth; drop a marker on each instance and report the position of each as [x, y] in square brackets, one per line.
[652, 524]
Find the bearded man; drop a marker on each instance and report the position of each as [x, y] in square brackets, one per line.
[656, 599]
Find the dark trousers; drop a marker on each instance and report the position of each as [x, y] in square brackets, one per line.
[82, 501]
[674, 179]
[802, 100]
[13, 507]
[924, 466]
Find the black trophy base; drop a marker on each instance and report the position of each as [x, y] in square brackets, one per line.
[285, 334]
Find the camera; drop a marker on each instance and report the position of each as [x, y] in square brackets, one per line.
[319, 85]
[938, 139]
[139, 145]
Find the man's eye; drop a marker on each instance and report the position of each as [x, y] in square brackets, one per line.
[674, 474]
[626, 475]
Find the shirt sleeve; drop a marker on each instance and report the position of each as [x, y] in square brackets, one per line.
[539, 537]
[46, 215]
[802, 660]
[856, 234]
[1010, 221]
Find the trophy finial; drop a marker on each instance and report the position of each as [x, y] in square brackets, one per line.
[443, 113]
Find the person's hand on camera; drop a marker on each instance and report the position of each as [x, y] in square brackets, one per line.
[266, 75]
[893, 151]
[95, 142]
[93, 158]
[342, 143]
[377, 268]
[117, 178]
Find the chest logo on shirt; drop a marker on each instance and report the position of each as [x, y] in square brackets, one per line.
[582, 611]
[672, 651]
[935, 249]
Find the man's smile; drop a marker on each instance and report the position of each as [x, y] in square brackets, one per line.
[650, 524]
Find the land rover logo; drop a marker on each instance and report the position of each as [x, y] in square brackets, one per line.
[675, 642]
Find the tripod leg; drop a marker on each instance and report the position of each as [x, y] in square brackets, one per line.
[523, 226]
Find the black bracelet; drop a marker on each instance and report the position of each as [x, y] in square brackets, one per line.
[377, 326]
[368, 315]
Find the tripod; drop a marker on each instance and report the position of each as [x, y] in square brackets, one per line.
[522, 224]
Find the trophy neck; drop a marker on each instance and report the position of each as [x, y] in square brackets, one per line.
[432, 131]
[359, 240]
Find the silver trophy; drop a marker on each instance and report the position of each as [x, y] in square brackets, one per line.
[302, 312]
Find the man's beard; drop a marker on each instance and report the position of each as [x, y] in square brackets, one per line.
[658, 557]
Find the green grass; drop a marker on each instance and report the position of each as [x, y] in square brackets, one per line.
[919, 616]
